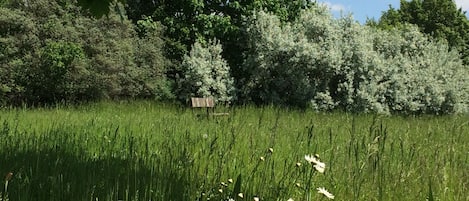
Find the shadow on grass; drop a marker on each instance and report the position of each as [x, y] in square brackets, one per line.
[56, 175]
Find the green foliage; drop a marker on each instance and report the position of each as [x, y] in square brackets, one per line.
[54, 52]
[147, 27]
[18, 40]
[3, 2]
[330, 64]
[98, 7]
[426, 77]
[272, 76]
[149, 57]
[206, 73]
[190, 20]
[439, 18]
[48, 81]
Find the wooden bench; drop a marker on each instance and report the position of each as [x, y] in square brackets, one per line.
[207, 103]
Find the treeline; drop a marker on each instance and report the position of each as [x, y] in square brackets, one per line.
[283, 52]
[54, 52]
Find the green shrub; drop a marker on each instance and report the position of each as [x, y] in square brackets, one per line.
[328, 63]
[206, 73]
[55, 52]
[18, 45]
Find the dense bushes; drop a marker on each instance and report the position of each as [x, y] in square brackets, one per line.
[329, 64]
[17, 40]
[55, 52]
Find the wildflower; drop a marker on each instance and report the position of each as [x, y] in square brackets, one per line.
[311, 159]
[320, 167]
[240, 195]
[298, 164]
[231, 199]
[290, 199]
[298, 185]
[220, 190]
[224, 184]
[230, 181]
[256, 199]
[262, 158]
[323, 191]
[271, 150]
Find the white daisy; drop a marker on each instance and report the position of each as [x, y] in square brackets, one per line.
[320, 167]
[323, 191]
[311, 159]
[240, 195]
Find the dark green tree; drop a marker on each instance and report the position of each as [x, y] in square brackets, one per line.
[98, 7]
[53, 51]
[441, 19]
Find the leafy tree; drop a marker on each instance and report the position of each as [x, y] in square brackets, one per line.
[206, 73]
[3, 2]
[188, 21]
[327, 64]
[55, 52]
[276, 68]
[439, 18]
[149, 57]
[98, 7]
[18, 39]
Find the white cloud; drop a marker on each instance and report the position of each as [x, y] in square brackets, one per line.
[464, 4]
[335, 7]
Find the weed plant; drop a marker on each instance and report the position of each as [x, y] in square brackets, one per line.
[147, 151]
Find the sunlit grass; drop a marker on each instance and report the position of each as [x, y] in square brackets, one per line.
[148, 151]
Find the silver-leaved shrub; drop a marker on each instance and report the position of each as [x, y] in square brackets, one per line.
[206, 73]
[328, 63]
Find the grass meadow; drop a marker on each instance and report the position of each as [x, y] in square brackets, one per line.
[152, 151]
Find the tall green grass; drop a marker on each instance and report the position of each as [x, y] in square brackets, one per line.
[148, 151]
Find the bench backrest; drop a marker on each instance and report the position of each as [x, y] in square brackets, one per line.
[203, 102]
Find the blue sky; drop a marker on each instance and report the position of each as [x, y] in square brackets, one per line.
[361, 9]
